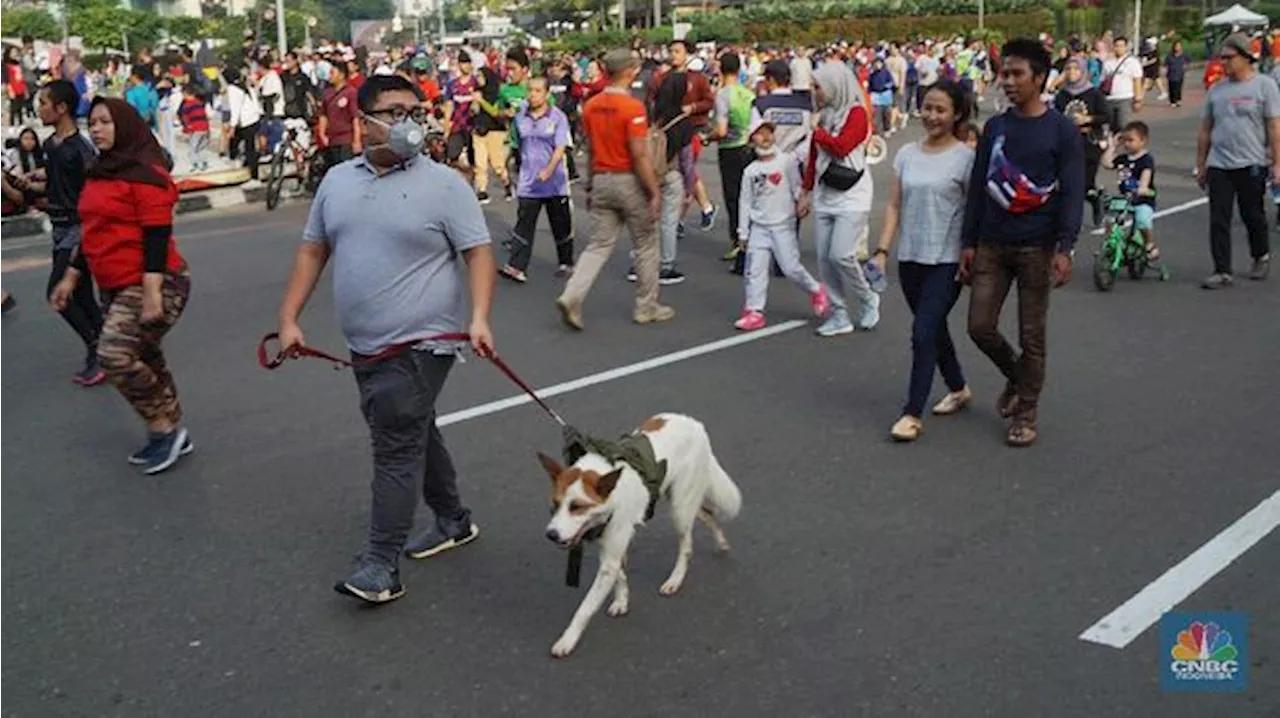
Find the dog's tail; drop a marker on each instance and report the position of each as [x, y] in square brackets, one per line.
[723, 497]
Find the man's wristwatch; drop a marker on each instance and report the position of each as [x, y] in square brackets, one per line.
[881, 250]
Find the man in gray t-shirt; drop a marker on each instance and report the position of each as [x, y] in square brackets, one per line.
[1238, 149]
[397, 228]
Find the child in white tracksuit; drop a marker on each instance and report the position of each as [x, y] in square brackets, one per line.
[771, 187]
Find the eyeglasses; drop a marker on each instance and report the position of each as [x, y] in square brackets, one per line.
[398, 114]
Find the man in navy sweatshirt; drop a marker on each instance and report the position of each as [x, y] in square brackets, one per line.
[1024, 210]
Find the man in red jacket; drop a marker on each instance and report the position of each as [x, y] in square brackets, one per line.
[699, 100]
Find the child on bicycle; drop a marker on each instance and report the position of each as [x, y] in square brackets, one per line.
[1136, 169]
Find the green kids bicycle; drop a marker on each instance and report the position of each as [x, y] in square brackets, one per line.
[1122, 247]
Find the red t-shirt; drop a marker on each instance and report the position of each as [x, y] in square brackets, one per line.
[430, 88]
[340, 107]
[112, 215]
[610, 120]
[13, 77]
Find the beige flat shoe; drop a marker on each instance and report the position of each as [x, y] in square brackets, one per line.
[953, 402]
[907, 428]
[653, 315]
[570, 313]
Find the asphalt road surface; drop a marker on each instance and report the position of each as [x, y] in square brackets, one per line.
[951, 577]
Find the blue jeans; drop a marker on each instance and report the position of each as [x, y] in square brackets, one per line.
[931, 291]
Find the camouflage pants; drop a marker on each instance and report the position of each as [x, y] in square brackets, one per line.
[129, 351]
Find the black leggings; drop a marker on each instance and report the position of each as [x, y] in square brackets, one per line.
[249, 136]
[82, 311]
[17, 110]
[1175, 92]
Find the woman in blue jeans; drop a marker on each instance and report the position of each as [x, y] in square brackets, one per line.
[838, 190]
[925, 212]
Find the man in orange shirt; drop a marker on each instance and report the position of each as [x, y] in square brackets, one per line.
[621, 189]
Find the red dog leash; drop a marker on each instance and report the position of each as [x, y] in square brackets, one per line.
[298, 352]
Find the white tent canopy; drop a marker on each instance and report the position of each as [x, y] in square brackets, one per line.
[1238, 16]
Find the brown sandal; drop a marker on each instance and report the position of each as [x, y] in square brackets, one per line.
[1007, 404]
[1021, 433]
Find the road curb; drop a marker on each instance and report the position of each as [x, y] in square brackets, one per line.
[37, 223]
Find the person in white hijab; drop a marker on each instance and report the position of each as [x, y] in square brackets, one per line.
[841, 195]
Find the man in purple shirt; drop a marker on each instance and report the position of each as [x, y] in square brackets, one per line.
[542, 131]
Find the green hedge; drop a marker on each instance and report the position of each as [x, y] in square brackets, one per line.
[897, 28]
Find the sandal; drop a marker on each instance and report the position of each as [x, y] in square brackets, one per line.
[1021, 433]
[1007, 404]
[907, 428]
[1153, 253]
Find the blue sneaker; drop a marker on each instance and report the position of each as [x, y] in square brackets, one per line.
[437, 539]
[373, 582]
[869, 314]
[837, 323]
[166, 451]
[143, 456]
[709, 218]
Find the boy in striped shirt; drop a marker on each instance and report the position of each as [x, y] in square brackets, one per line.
[195, 124]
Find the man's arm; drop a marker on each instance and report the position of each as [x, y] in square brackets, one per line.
[1202, 146]
[976, 196]
[1273, 141]
[308, 264]
[701, 101]
[481, 272]
[1071, 180]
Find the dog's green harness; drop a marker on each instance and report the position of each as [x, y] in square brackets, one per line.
[634, 450]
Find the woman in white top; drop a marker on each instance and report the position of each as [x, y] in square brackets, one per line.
[838, 189]
[925, 212]
[244, 117]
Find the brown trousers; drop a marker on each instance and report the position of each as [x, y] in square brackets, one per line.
[129, 351]
[617, 200]
[491, 152]
[995, 269]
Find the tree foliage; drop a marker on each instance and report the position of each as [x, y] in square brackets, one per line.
[32, 21]
[105, 24]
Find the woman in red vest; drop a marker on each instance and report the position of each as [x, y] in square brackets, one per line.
[127, 213]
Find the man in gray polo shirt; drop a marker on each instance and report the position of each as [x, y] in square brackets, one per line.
[1238, 149]
[394, 225]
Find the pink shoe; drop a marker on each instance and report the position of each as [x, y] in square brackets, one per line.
[820, 302]
[750, 320]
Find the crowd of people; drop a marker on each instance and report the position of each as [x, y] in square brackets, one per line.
[987, 208]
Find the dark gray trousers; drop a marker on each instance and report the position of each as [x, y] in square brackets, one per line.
[398, 397]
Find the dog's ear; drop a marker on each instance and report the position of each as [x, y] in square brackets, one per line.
[552, 467]
[605, 484]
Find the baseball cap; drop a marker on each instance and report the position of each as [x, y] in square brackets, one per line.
[1239, 42]
[757, 125]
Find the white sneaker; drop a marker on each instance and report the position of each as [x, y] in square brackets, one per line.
[251, 184]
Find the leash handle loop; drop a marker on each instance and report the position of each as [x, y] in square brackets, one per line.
[267, 361]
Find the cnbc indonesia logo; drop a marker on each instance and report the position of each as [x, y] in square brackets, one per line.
[1204, 652]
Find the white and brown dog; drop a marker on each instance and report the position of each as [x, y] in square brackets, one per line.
[596, 493]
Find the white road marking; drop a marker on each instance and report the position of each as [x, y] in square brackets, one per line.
[1170, 210]
[623, 371]
[1118, 628]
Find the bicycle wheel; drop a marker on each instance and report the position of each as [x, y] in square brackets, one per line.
[1104, 267]
[275, 179]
